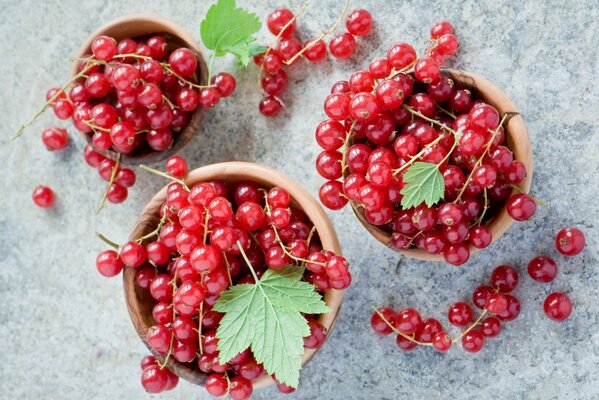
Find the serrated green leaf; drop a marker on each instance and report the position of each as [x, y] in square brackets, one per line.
[267, 316]
[424, 183]
[227, 28]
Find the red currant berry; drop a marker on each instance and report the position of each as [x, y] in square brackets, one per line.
[400, 56]
[270, 106]
[43, 196]
[512, 311]
[342, 46]
[570, 241]
[441, 28]
[281, 19]
[379, 325]
[331, 195]
[225, 83]
[315, 51]
[408, 321]
[442, 342]
[542, 269]
[521, 207]
[427, 70]
[183, 61]
[473, 341]
[133, 254]
[460, 314]
[154, 379]
[359, 22]
[176, 166]
[496, 303]
[490, 327]
[558, 306]
[108, 263]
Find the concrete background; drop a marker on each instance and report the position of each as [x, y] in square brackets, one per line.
[64, 328]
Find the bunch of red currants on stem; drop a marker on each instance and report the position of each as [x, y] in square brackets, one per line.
[403, 111]
[495, 299]
[209, 238]
[131, 97]
[288, 49]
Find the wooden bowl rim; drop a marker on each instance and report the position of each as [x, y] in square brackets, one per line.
[163, 25]
[518, 139]
[237, 171]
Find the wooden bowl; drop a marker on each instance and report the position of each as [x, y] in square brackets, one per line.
[139, 26]
[140, 302]
[517, 140]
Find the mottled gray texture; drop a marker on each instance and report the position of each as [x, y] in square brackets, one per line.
[65, 331]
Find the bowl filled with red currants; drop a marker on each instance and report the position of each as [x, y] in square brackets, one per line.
[233, 278]
[436, 163]
[141, 89]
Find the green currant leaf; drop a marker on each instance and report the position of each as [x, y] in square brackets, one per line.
[244, 51]
[424, 183]
[229, 29]
[267, 317]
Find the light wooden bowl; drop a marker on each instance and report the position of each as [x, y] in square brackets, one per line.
[140, 302]
[142, 25]
[517, 140]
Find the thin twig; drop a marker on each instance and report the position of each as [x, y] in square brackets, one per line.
[115, 169]
[322, 36]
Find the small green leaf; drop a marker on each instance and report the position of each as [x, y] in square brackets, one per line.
[267, 316]
[229, 29]
[424, 183]
[245, 50]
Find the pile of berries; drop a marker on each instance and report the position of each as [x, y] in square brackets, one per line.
[495, 299]
[193, 256]
[288, 49]
[131, 97]
[385, 119]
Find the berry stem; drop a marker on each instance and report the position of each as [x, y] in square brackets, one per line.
[407, 337]
[200, 319]
[285, 250]
[170, 347]
[432, 121]
[449, 113]
[206, 218]
[345, 146]
[479, 220]
[480, 318]
[228, 267]
[115, 168]
[155, 232]
[51, 100]
[165, 175]
[247, 261]
[95, 127]
[479, 161]
[417, 156]
[309, 239]
[322, 36]
[107, 241]
[168, 103]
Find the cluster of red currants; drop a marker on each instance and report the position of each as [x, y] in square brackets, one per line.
[131, 97]
[194, 255]
[384, 120]
[288, 49]
[494, 299]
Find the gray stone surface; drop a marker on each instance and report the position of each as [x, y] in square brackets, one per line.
[65, 330]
